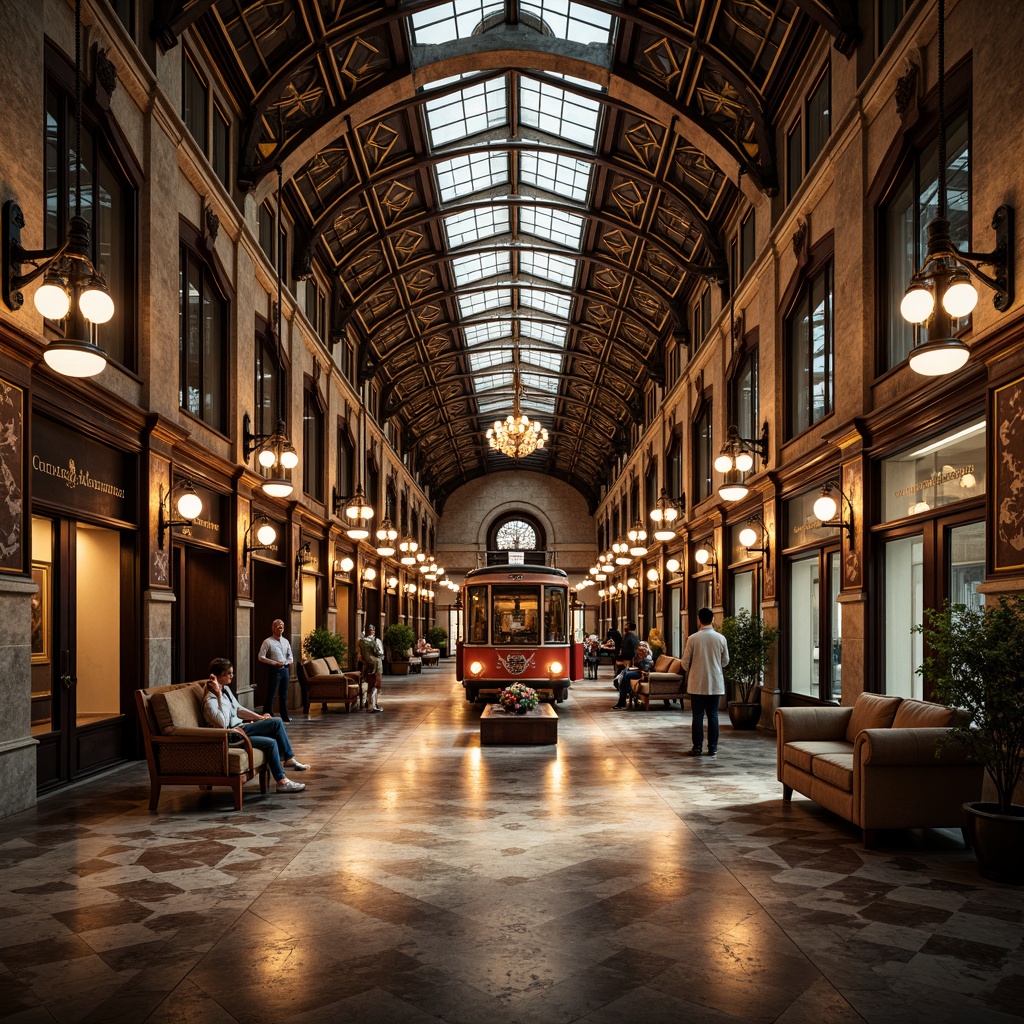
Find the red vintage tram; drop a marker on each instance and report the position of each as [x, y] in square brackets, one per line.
[517, 630]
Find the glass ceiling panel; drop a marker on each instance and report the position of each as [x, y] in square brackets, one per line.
[569, 20]
[488, 298]
[492, 330]
[532, 403]
[537, 329]
[463, 175]
[549, 302]
[489, 357]
[559, 173]
[554, 268]
[472, 225]
[476, 267]
[552, 225]
[488, 405]
[490, 381]
[456, 20]
[466, 112]
[539, 382]
[556, 111]
[542, 358]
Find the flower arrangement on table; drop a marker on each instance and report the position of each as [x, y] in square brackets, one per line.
[518, 698]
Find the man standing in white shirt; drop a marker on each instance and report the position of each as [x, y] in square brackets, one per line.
[704, 657]
[277, 653]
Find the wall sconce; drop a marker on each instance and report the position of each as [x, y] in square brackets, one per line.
[665, 513]
[407, 548]
[189, 506]
[737, 458]
[829, 512]
[941, 291]
[409, 588]
[620, 550]
[266, 535]
[368, 575]
[706, 555]
[392, 582]
[72, 287]
[386, 537]
[654, 576]
[302, 557]
[637, 540]
[357, 511]
[632, 583]
[342, 567]
[749, 537]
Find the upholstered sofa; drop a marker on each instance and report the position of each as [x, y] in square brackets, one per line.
[664, 682]
[182, 751]
[877, 764]
[323, 680]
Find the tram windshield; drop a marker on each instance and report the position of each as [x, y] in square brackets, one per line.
[515, 615]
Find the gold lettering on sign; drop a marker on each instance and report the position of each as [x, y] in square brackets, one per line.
[934, 481]
[74, 477]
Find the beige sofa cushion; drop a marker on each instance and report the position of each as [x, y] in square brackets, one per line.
[177, 709]
[318, 667]
[872, 711]
[332, 665]
[803, 753]
[835, 769]
[922, 714]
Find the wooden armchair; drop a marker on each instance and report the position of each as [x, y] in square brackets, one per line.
[320, 683]
[181, 751]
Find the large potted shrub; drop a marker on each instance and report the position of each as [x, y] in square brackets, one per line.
[438, 637]
[322, 643]
[750, 643]
[975, 662]
[398, 640]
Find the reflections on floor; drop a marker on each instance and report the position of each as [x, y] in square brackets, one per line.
[421, 877]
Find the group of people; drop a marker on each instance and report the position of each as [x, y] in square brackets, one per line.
[267, 732]
[705, 656]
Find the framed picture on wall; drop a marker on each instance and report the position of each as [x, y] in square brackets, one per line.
[41, 615]
[1008, 471]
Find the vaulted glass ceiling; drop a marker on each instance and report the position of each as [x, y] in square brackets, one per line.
[475, 177]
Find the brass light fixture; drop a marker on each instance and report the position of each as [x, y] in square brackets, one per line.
[357, 511]
[829, 512]
[274, 451]
[189, 506]
[386, 537]
[266, 536]
[664, 515]
[705, 556]
[73, 289]
[517, 435]
[637, 540]
[736, 459]
[749, 538]
[941, 291]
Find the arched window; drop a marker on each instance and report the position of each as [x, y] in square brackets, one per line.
[516, 535]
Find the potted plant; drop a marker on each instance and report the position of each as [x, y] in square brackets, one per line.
[322, 643]
[975, 662]
[398, 640]
[438, 637]
[750, 643]
[656, 642]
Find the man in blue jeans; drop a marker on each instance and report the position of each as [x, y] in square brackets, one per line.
[276, 652]
[222, 710]
[705, 655]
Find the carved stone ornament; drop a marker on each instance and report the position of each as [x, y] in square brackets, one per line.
[801, 238]
[211, 226]
[104, 77]
[906, 93]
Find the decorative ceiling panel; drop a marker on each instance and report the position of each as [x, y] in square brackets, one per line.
[513, 208]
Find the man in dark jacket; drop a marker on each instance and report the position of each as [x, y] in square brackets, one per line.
[627, 653]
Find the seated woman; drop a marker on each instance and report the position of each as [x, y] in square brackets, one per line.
[423, 647]
[222, 710]
[643, 662]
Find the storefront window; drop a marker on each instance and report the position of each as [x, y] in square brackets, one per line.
[804, 648]
[743, 593]
[904, 606]
[930, 476]
[554, 615]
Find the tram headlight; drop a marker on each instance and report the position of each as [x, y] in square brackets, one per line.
[476, 668]
[555, 668]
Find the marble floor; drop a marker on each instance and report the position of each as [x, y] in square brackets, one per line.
[422, 878]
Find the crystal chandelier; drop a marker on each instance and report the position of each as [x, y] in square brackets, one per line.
[517, 435]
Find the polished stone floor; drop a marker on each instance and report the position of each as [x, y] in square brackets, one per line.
[422, 878]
